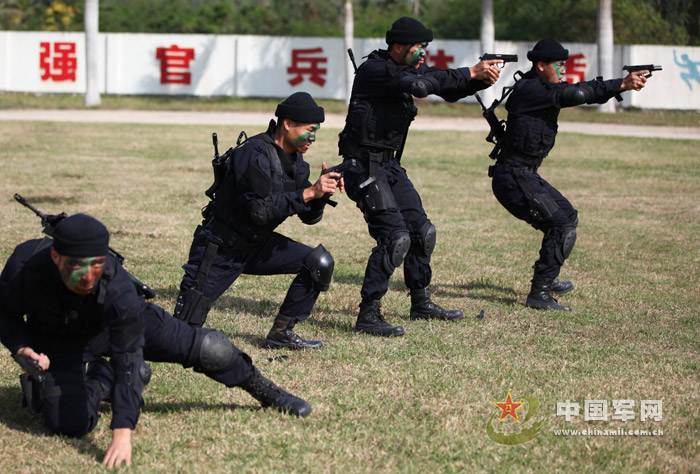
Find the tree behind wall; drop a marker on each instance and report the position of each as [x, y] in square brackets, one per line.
[636, 21]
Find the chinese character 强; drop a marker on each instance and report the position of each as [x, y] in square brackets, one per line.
[174, 62]
[313, 70]
[60, 67]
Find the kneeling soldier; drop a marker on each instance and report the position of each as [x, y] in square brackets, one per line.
[80, 306]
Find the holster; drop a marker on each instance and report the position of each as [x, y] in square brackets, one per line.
[31, 390]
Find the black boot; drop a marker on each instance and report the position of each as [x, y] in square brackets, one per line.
[100, 372]
[281, 336]
[423, 308]
[560, 287]
[540, 297]
[371, 321]
[269, 394]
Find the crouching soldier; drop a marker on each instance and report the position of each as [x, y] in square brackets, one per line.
[80, 305]
[264, 182]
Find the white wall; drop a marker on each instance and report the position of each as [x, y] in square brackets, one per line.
[244, 65]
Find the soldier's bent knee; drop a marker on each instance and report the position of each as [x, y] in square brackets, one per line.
[319, 263]
[211, 352]
[395, 249]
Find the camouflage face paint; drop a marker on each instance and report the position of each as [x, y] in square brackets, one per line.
[417, 55]
[308, 136]
[73, 270]
[557, 68]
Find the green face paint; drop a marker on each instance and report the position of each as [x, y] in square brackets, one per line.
[417, 55]
[556, 68]
[81, 274]
[308, 136]
[74, 269]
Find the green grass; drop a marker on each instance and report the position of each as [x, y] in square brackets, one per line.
[418, 403]
[677, 118]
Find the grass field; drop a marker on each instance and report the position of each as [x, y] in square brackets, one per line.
[420, 403]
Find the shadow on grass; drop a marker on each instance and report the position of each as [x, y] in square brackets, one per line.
[494, 293]
[180, 407]
[16, 417]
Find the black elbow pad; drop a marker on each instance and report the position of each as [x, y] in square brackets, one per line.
[420, 86]
[577, 95]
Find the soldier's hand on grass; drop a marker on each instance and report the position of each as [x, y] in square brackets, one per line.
[119, 450]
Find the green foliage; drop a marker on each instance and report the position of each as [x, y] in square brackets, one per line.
[636, 21]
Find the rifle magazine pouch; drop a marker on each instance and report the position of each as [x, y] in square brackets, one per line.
[490, 172]
[31, 394]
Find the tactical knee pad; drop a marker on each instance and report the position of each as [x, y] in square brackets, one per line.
[320, 264]
[424, 242]
[395, 249]
[377, 197]
[567, 242]
[211, 352]
[192, 307]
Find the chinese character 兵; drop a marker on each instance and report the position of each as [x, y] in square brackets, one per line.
[173, 61]
[63, 64]
[575, 68]
[313, 70]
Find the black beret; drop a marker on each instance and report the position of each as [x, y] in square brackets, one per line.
[408, 30]
[80, 235]
[547, 50]
[301, 108]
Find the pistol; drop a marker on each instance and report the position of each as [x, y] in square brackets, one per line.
[30, 366]
[506, 58]
[644, 67]
[351, 163]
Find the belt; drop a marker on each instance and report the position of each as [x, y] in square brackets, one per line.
[228, 236]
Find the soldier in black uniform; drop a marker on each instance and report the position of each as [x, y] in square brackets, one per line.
[380, 113]
[265, 181]
[533, 108]
[80, 305]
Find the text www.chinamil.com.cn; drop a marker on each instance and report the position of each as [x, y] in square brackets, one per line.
[617, 432]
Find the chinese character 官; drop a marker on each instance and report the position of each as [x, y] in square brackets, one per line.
[174, 64]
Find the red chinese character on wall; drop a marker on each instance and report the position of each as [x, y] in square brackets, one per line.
[174, 62]
[59, 64]
[311, 62]
[575, 68]
[440, 60]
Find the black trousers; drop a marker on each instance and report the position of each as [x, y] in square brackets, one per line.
[276, 255]
[508, 190]
[409, 215]
[70, 403]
